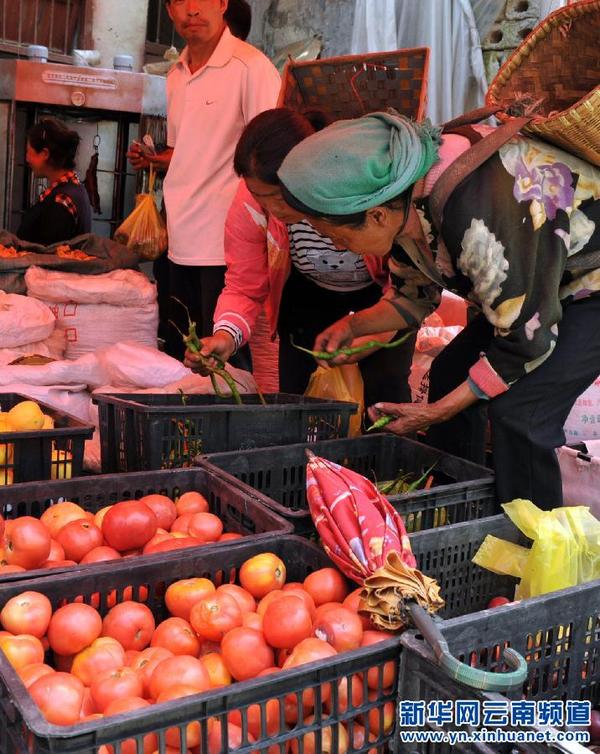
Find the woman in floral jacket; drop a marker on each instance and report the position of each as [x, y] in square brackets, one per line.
[515, 241]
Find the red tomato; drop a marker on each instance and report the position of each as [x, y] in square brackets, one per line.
[30, 673]
[219, 742]
[99, 517]
[130, 623]
[193, 730]
[121, 706]
[164, 509]
[11, 569]
[27, 613]
[307, 651]
[230, 536]
[58, 564]
[286, 622]
[352, 602]
[77, 538]
[381, 719]
[182, 524]
[299, 591]
[56, 551]
[498, 602]
[246, 653]
[252, 620]
[115, 684]
[59, 697]
[206, 527]
[184, 669]
[101, 554]
[102, 655]
[216, 669]
[88, 706]
[214, 616]
[172, 544]
[73, 628]
[22, 650]
[359, 738]
[341, 628]
[145, 663]
[324, 608]
[245, 600]
[350, 695]
[27, 542]
[128, 525]
[271, 708]
[176, 635]
[326, 585]
[160, 536]
[327, 746]
[59, 515]
[262, 574]
[192, 502]
[372, 637]
[182, 595]
[129, 746]
[262, 606]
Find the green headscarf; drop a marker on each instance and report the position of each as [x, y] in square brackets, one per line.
[354, 165]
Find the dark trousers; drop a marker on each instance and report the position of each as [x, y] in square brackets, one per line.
[306, 310]
[198, 288]
[526, 421]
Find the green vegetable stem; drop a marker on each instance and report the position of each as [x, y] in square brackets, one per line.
[382, 422]
[351, 350]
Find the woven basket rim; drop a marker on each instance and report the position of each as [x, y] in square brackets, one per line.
[523, 51]
[360, 58]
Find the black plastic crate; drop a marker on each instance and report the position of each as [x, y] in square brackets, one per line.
[558, 634]
[463, 490]
[42, 454]
[149, 431]
[239, 512]
[22, 728]
[421, 679]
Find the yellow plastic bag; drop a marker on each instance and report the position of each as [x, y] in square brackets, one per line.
[341, 383]
[144, 230]
[565, 550]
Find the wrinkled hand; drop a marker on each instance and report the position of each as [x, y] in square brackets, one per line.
[221, 345]
[137, 159]
[412, 417]
[334, 337]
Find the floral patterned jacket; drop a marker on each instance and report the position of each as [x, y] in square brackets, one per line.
[507, 234]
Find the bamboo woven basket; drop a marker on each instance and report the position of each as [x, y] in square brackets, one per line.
[557, 67]
[353, 85]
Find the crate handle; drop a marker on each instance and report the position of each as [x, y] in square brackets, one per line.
[474, 677]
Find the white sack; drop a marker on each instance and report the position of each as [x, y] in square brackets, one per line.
[23, 320]
[52, 348]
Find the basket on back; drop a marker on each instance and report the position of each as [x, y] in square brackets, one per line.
[557, 68]
[353, 85]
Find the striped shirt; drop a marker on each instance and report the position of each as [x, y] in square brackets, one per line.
[316, 257]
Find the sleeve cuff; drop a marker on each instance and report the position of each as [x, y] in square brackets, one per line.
[485, 378]
[479, 393]
[232, 330]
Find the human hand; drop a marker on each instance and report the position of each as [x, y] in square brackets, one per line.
[218, 346]
[336, 336]
[137, 157]
[409, 417]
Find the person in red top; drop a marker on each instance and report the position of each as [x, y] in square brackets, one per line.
[276, 260]
[63, 210]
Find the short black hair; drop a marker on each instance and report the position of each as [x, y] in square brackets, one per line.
[238, 17]
[269, 137]
[61, 142]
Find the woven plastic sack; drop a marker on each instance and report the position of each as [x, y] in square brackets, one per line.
[341, 383]
[144, 230]
[565, 550]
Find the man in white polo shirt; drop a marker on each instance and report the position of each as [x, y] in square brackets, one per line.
[218, 85]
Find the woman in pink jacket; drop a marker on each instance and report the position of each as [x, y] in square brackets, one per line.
[277, 261]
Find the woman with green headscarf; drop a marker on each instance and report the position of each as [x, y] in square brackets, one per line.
[512, 235]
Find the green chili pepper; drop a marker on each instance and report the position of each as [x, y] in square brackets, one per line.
[413, 486]
[382, 422]
[350, 350]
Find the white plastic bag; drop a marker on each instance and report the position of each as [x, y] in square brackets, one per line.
[52, 348]
[23, 320]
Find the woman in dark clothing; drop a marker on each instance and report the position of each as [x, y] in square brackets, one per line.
[63, 210]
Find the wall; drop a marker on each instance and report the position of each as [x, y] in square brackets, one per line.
[277, 23]
[119, 26]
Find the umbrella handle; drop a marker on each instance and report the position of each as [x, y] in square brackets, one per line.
[474, 677]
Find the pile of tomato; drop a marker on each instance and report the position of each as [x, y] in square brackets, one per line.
[66, 534]
[215, 636]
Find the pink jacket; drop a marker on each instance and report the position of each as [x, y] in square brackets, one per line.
[257, 255]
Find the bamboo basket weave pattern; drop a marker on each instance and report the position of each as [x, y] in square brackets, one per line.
[353, 85]
[558, 66]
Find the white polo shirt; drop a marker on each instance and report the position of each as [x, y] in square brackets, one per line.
[206, 114]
